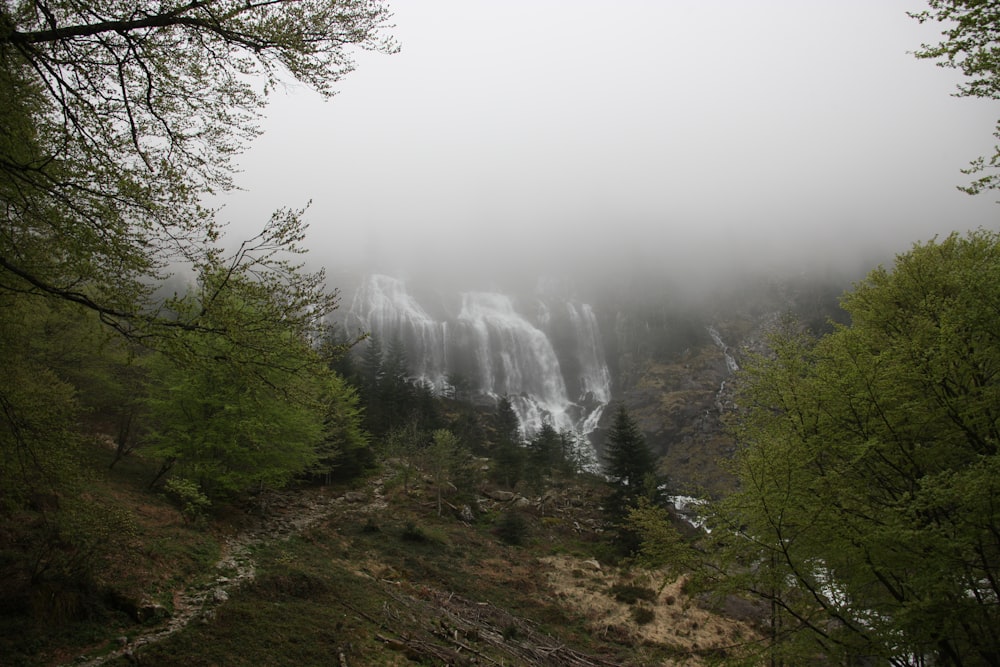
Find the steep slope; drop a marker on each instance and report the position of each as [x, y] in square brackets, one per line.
[675, 361]
[381, 579]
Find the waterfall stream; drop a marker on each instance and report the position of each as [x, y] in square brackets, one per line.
[544, 352]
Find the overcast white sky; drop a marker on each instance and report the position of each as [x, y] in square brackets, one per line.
[691, 131]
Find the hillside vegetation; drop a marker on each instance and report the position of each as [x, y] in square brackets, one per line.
[370, 574]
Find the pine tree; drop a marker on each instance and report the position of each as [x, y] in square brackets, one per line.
[396, 392]
[629, 464]
[509, 453]
[372, 367]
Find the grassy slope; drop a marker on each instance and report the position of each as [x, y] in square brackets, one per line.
[388, 582]
[138, 571]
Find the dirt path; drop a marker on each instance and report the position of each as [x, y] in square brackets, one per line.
[285, 515]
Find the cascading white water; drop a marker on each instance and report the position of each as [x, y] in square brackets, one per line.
[731, 365]
[730, 359]
[595, 377]
[382, 305]
[516, 359]
[551, 366]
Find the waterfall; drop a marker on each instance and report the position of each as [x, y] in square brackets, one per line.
[545, 353]
[731, 366]
[595, 377]
[382, 305]
[515, 357]
[730, 359]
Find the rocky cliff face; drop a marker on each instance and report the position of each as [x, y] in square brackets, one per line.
[680, 403]
[676, 364]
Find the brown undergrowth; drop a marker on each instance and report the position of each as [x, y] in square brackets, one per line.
[373, 576]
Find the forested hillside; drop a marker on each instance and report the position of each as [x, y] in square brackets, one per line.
[116, 123]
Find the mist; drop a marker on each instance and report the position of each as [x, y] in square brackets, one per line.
[682, 141]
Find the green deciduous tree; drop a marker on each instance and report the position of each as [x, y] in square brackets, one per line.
[401, 448]
[56, 372]
[253, 408]
[449, 465]
[971, 45]
[867, 515]
[116, 120]
[38, 411]
[119, 117]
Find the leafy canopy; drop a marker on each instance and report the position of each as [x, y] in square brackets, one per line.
[118, 117]
[256, 407]
[867, 514]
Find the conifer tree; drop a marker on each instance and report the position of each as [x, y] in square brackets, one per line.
[629, 464]
[396, 392]
[372, 365]
[509, 454]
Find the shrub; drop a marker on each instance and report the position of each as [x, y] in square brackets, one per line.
[421, 535]
[643, 615]
[187, 494]
[630, 593]
[512, 528]
[414, 533]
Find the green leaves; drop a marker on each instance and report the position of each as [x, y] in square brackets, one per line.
[116, 119]
[868, 466]
[970, 45]
[119, 118]
[240, 397]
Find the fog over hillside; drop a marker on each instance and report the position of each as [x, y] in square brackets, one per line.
[557, 201]
[689, 139]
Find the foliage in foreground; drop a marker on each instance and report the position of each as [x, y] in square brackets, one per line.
[253, 409]
[116, 121]
[867, 516]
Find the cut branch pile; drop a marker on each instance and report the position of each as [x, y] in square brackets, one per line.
[458, 631]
